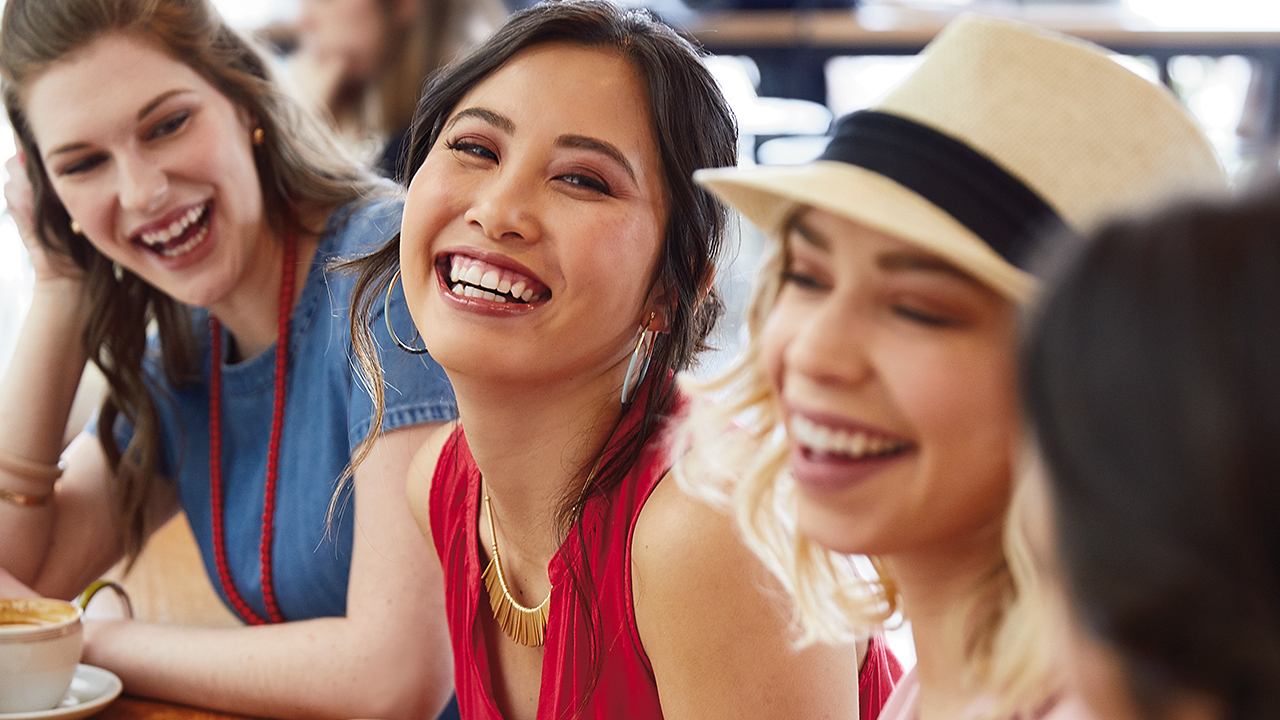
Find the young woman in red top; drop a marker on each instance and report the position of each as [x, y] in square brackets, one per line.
[554, 248]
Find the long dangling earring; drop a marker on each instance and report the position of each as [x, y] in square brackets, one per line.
[639, 361]
[386, 315]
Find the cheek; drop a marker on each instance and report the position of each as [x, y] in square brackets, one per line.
[962, 407]
[427, 209]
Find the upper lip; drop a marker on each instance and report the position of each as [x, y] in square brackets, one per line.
[842, 422]
[493, 258]
[165, 220]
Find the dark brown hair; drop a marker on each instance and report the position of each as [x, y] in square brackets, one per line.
[693, 128]
[297, 164]
[1150, 378]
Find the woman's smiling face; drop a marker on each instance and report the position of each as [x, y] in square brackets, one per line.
[532, 229]
[895, 371]
[158, 171]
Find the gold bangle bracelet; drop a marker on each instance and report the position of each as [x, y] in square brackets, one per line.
[22, 499]
[23, 467]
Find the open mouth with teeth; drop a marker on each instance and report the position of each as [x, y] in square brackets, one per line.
[182, 235]
[819, 442]
[472, 278]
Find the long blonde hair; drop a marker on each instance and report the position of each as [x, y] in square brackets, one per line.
[737, 458]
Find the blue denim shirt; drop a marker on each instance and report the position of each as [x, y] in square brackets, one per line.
[327, 414]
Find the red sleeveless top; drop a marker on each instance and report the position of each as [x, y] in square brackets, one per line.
[625, 687]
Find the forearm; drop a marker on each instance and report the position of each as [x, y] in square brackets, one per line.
[36, 395]
[323, 668]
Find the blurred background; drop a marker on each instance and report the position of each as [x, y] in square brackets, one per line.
[788, 67]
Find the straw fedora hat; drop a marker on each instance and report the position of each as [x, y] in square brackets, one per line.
[1004, 133]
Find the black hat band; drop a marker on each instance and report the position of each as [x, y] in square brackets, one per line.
[964, 183]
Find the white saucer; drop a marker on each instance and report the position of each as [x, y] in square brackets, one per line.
[91, 689]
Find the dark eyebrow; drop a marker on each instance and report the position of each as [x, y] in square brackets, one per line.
[502, 122]
[145, 111]
[917, 262]
[155, 102]
[583, 142]
[809, 235]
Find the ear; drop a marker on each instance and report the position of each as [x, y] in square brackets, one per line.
[248, 120]
[705, 288]
[663, 306]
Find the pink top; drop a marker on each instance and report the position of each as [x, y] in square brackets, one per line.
[625, 686]
[904, 704]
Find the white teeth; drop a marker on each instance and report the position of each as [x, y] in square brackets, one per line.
[176, 228]
[472, 278]
[858, 444]
[839, 442]
[187, 246]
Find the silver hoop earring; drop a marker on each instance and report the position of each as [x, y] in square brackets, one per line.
[386, 315]
[644, 346]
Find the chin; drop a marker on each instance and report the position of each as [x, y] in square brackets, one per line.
[831, 528]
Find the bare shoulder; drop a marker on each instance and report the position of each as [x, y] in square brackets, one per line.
[421, 469]
[678, 538]
[717, 626]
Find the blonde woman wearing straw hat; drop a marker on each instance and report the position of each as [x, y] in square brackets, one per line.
[878, 385]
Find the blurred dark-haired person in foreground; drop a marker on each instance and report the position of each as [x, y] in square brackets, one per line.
[1150, 378]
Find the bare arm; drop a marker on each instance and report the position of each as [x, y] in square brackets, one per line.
[717, 627]
[36, 396]
[388, 658]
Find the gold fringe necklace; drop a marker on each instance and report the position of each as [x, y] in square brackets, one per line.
[525, 625]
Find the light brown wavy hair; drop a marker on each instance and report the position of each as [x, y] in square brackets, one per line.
[299, 166]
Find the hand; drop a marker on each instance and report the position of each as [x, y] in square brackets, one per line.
[21, 207]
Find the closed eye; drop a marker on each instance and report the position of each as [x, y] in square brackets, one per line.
[924, 318]
[801, 280]
[168, 125]
[83, 165]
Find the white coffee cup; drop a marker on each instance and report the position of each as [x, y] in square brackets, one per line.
[40, 644]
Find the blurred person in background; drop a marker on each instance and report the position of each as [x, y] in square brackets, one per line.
[874, 411]
[363, 64]
[179, 212]
[1149, 377]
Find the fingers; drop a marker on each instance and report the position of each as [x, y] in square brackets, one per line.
[19, 199]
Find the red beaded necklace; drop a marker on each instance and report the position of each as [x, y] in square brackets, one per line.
[273, 453]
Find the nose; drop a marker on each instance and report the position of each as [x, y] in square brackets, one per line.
[143, 184]
[831, 345]
[505, 208]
